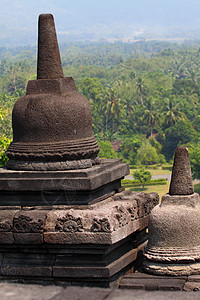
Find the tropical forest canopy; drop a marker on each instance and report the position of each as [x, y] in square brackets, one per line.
[145, 96]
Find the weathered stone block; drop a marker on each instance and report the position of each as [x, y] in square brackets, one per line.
[29, 221]
[103, 223]
[191, 286]
[28, 238]
[6, 225]
[69, 180]
[149, 282]
[6, 238]
[23, 271]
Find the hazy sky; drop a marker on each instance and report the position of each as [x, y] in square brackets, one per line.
[80, 15]
[106, 10]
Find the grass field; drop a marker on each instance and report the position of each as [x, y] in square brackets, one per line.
[158, 171]
[160, 189]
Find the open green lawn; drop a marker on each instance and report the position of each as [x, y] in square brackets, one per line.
[158, 171]
[160, 189]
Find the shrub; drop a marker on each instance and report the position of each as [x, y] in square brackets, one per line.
[167, 168]
[142, 176]
[4, 144]
[106, 150]
[132, 183]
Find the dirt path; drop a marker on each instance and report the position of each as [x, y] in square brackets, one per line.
[167, 177]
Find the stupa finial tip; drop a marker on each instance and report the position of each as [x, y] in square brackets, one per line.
[49, 63]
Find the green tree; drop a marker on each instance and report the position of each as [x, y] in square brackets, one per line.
[151, 114]
[147, 154]
[106, 150]
[172, 112]
[194, 153]
[92, 88]
[141, 88]
[6, 105]
[94, 91]
[129, 149]
[4, 144]
[113, 107]
[196, 124]
[181, 133]
[142, 175]
[16, 76]
[155, 144]
[185, 86]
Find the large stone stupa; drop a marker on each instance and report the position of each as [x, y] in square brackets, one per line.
[64, 216]
[52, 123]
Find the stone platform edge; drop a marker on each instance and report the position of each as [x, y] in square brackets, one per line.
[150, 282]
[106, 222]
[71, 180]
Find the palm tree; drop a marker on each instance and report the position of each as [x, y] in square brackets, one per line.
[172, 111]
[107, 105]
[113, 107]
[151, 114]
[140, 88]
[126, 93]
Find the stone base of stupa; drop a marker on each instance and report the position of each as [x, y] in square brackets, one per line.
[172, 269]
[69, 187]
[91, 245]
[174, 247]
[76, 227]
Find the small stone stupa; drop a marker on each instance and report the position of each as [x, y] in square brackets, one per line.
[174, 225]
[64, 216]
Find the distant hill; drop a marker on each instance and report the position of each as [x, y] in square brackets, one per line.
[102, 19]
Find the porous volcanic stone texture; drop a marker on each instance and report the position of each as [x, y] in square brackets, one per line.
[106, 222]
[6, 225]
[69, 187]
[176, 226]
[174, 237]
[53, 127]
[181, 181]
[49, 62]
